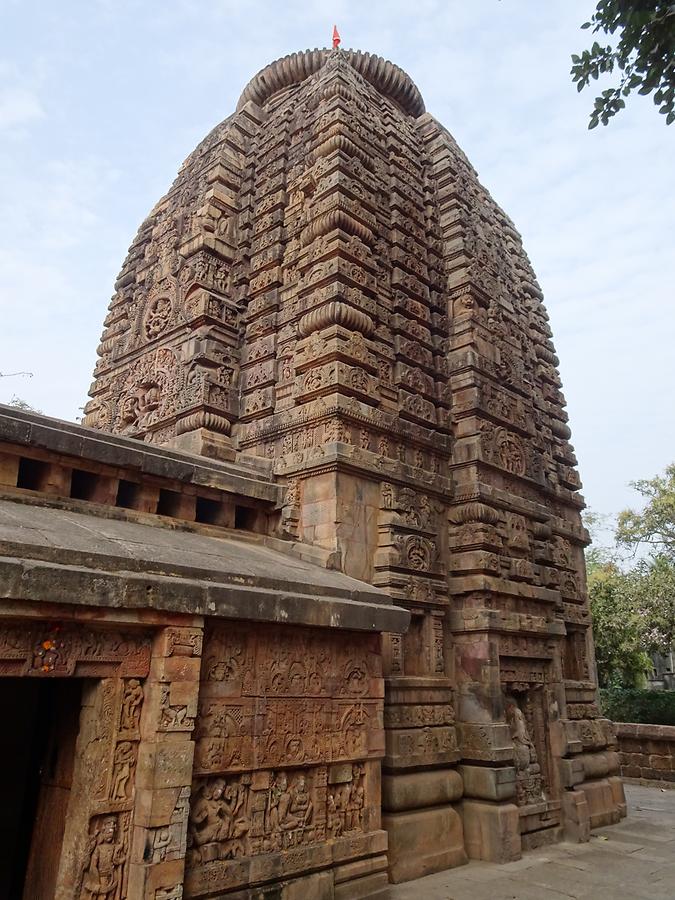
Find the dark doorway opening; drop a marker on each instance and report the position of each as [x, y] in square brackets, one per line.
[37, 753]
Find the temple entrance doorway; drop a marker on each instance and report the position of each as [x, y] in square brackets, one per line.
[37, 753]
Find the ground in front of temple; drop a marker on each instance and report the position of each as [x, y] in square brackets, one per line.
[634, 860]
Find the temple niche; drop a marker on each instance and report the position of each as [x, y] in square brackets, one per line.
[328, 299]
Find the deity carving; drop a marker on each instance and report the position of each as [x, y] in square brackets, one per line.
[416, 552]
[219, 816]
[288, 808]
[345, 805]
[510, 452]
[516, 532]
[103, 873]
[156, 317]
[528, 772]
[123, 766]
[245, 815]
[131, 705]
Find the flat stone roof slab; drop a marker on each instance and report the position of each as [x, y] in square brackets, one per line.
[65, 556]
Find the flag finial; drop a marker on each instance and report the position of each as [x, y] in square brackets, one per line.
[336, 37]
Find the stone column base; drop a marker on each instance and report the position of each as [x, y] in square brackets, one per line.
[424, 841]
[605, 799]
[576, 817]
[491, 831]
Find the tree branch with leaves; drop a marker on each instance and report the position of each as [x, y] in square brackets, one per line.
[643, 56]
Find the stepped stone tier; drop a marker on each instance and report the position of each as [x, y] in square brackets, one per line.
[344, 569]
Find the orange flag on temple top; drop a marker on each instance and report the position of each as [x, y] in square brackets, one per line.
[336, 37]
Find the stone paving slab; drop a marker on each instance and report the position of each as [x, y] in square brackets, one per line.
[634, 860]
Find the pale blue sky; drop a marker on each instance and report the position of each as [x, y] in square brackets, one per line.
[101, 100]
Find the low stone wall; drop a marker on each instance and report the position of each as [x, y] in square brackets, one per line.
[647, 752]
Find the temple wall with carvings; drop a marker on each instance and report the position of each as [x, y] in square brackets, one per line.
[218, 757]
[225, 728]
[288, 742]
[330, 312]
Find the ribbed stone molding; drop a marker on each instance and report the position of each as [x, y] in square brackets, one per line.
[203, 419]
[336, 314]
[474, 512]
[336, 218]
[384, 76]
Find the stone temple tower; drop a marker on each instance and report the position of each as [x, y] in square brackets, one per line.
[329, 295]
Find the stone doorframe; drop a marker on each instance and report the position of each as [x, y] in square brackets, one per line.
[127, 816]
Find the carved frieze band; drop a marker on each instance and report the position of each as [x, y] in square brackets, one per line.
[61, 649]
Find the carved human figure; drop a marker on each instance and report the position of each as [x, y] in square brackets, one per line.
[149, 399]
[157, 317]
[301, 806]
[524, 748]
[219, 815]
[205, 821]
[131, 705]
[161, 840]
[104, 869]
[529, 781]
[387, 494]
[418, 555]
[274, 798]
[334, 817]
[123, 764]
[511, 453]
[425, 511]
[355, 803]
[517, 535]
[288, 809]
[129, 412]
[233, 812]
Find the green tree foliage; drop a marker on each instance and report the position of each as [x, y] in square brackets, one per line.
[654, 528]
[633, 705]
[643, 56]
[619, 650]
[633, 605]
[653, 592]
[655, 525]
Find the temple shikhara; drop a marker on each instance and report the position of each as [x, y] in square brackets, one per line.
[300, 610]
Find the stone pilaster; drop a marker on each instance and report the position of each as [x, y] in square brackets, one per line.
[165, 763]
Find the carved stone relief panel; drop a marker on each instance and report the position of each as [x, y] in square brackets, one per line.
[104, 873]
[288, 734]
[286, 698]
[265, 813]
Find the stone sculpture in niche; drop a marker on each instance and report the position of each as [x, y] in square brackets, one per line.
[528, 771]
